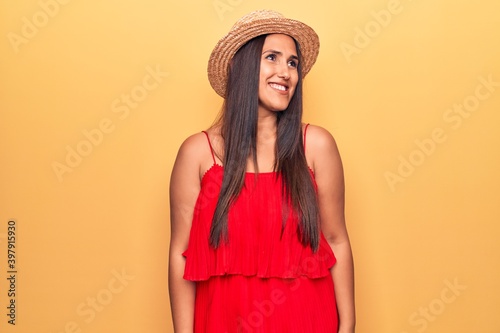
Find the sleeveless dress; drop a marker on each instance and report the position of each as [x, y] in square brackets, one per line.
[261, 280]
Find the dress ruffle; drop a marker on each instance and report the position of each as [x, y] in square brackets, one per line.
[256, 244]
[240, 304]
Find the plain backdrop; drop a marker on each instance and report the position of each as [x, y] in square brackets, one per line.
[97, 96]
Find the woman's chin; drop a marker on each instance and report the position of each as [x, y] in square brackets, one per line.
[275, 107]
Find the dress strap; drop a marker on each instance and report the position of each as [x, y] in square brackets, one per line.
[211, 148]
[304, 138]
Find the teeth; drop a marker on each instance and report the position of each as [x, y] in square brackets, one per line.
[278, 86]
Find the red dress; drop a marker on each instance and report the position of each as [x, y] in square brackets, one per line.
[258, 281]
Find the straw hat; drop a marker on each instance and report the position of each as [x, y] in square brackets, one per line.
[258, 23]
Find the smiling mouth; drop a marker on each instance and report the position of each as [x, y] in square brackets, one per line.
[279, 87]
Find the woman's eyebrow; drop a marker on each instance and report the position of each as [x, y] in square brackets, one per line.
[281, 53]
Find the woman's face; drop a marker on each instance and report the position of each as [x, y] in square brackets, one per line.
[278, 72]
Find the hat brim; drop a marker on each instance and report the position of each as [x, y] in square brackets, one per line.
[228, 45]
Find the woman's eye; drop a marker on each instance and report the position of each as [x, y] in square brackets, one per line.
[271, 56]
[293, 64]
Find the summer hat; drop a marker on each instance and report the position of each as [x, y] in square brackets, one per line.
[254, 24]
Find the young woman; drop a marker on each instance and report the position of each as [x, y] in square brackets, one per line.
[258, 238]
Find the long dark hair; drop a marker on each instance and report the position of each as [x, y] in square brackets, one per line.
[238, 121]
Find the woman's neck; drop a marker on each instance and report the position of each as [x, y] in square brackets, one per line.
[266, 127]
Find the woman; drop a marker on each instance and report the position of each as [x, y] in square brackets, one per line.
[258, 232]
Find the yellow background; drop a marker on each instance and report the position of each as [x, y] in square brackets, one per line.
[436, 225]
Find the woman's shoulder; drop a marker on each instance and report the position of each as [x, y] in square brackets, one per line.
[320, 147]
[194, 145]
[195, 152]
[318, 138]
[194, 148]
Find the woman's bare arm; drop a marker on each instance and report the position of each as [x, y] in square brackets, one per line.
[322, 152]
[184, 190]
